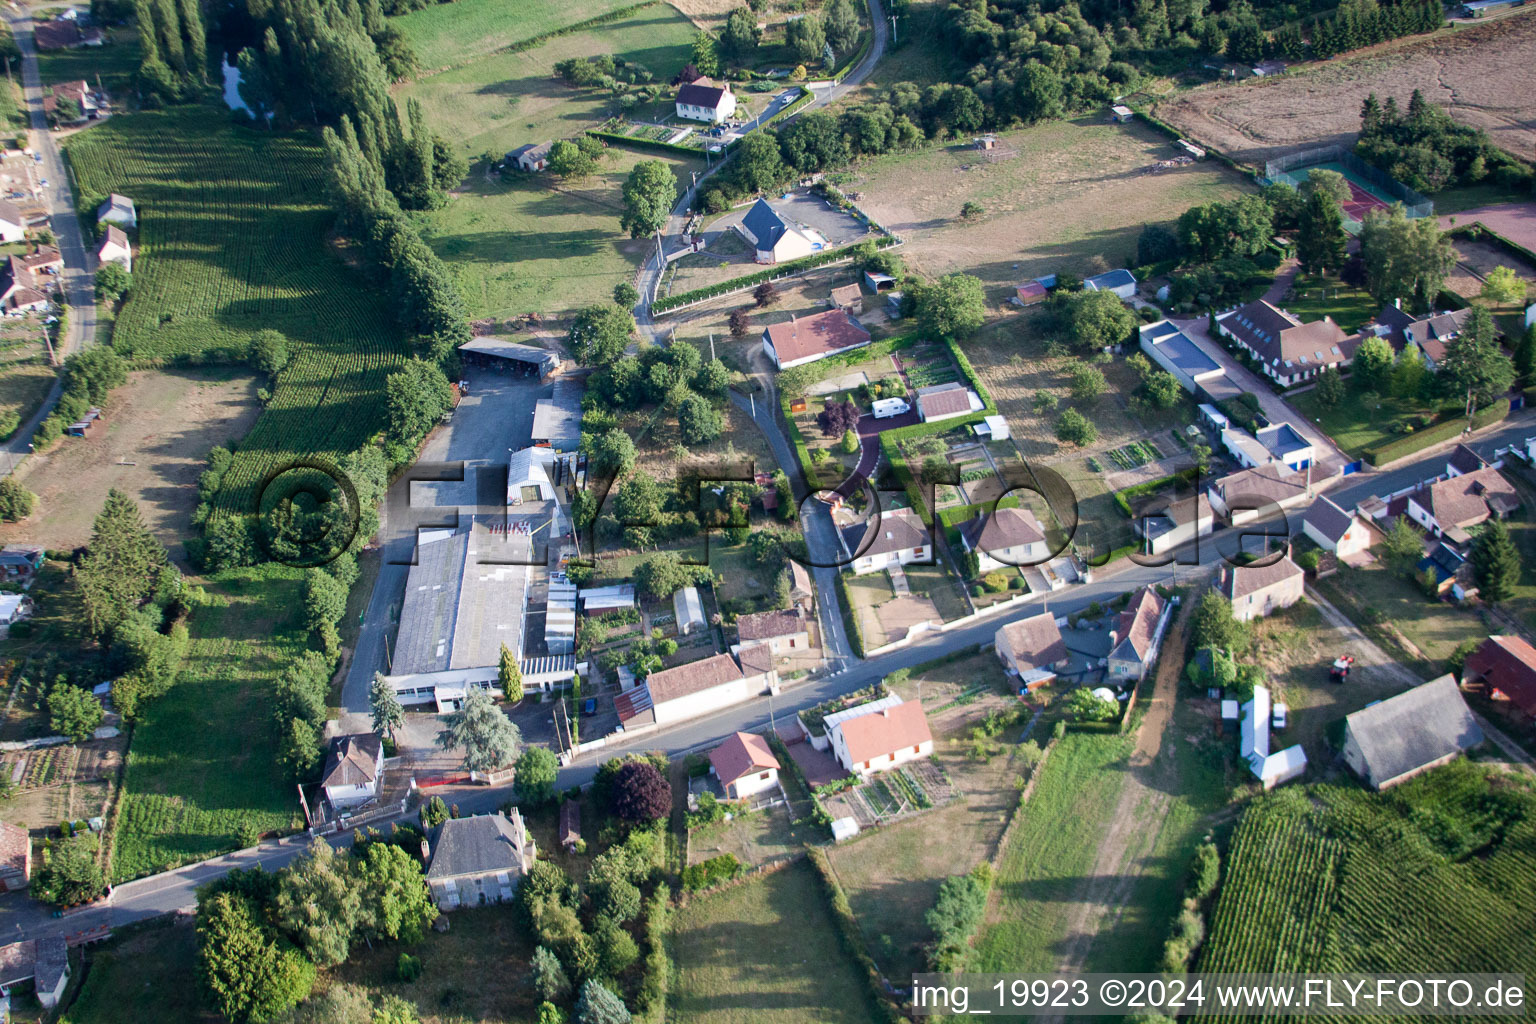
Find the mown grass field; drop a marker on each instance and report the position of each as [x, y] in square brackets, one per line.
[764, 952]
[232, 234]
[201, 776]
[1438, 874]
[521, 245]
[447, 34]
[502, 100]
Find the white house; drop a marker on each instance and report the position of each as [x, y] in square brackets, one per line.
[114, 248]
[1138, 635]
[1255, 591]
[13, 225]
[881, 740]
[1270, 768]
[699, 687]
[1121, 282]
[14, 608]
[744, 765]
[118, 210]
[774, 240]
[898, 537]
[689, 610]
[1335, 530]
[354, 764]
[42, 962]
[1163, 530]
[1451, 506]
[806, 339]
[1006, 539]
[1286, 444]
[1287, 350]
[703, 100]
[1243, 495]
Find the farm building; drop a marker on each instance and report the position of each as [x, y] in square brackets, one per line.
[773, 238]
[557, 419]
[1121, 114]
[1121, 282]
[880, 740]
[1395, 739]
[23, 288]
[1452, 506]
[689, 610]
[1138, 634]
[118, 210]
[1268, 68]
[1174, 525]
[82, 426]
[20, 561]
[1335, 530]
[849, 298]
[1483, 8]
[699, 687]
[77, 92]
[878, 282]
[993, 428]
[354, 765]
[509, 356]
[1254, 746]
[1506, 666]
[1451, 572]
[1173, 350]
[897, 537]
[1029, 293]
[809, 338]
[15, 857]
[531, 477]
[946, 401]
[779, 631]
[1287, 350]
[478, 860]
[744, 765]
[1190, 149]
[703, 100]
[531, 157]
[1007, 538]
[1257, 590]
[65, 34]
[1032, 643]
[13, 223]
[114, 248]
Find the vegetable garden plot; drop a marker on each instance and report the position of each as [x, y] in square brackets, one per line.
[232, 239]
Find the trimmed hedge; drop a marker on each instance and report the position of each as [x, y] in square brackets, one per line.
[805, 97]
[1477, 229]
[858, 55]
[614, 138]
[884, 1009]
[850, 619]
[1391, 451]
[773, 273]
[656, 965]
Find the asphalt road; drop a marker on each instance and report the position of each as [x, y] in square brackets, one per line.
[79, 276]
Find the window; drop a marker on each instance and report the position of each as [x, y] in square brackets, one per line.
[917, 749]
[866, 766]
[764, 776]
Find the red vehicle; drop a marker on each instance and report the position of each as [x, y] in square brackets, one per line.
[1339, 672]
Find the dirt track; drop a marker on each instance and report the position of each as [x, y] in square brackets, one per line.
[1485, 76]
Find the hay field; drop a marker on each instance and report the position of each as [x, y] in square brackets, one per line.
[1484, 76]
[445, 35]
[1064, 196]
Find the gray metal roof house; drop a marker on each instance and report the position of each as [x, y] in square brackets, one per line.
[1393, 740]
[479, 860]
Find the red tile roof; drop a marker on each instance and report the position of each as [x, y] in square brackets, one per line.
[770, 625]
[1036, 640]
[15, 850]
[816, 335]
[1508, 665]
[741, 754]
[1139, 620]
[885, 732]
[694, 677]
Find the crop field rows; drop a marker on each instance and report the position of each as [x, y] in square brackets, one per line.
[1436, 871]
[232, 232]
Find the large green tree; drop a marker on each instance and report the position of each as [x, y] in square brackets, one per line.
[1372, 366]
[1320, 238]
[698, 421]
[120, 565]
[1405, 259]
[805, 37]
[953, 306]
[741, 35]
[416, 395]
[649, 194]
[600, 334]
[16, 502]
[510, 675]
[1213, 624]
[537, 769]
[1474, 368]
[1098, 318]
[842, 25]
[318, 904]
[394, 901]
[73, 711]
[1495, 562]
[247, 974]
[70, 872]
[487, 736]
[384, 705]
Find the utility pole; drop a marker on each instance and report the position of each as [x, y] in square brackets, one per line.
[893, 30]
[711, 343]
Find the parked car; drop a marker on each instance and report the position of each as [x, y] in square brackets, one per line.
[589, 706]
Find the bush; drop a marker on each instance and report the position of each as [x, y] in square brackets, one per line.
[712, 872]
[408, 968]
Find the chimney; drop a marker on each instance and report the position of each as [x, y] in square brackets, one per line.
[1397, 303]
[426, 851]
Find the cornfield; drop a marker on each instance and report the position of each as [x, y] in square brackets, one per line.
[232, 238]
[1438, 874]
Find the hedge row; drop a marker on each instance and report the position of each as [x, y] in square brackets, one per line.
[850, 618]
[1480, 229]
[858, 55]
[1391, 451]
[884, 1009]
[805, 97]
[616, 139]
[752, 280]
[656, 967]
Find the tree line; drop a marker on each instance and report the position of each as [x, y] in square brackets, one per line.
[1427, 151]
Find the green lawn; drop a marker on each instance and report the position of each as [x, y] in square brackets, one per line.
[1356, 426]
[146, 976]
[116, 63]
[502, 100]
[1375, 596]
[765, 952]
[23, 386]
[448, 34]
[520, 246]
[1315, 297]
[233, 235]
[201, 777]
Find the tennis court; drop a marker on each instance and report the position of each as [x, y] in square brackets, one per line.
[1370, 188]
[1363, 196]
